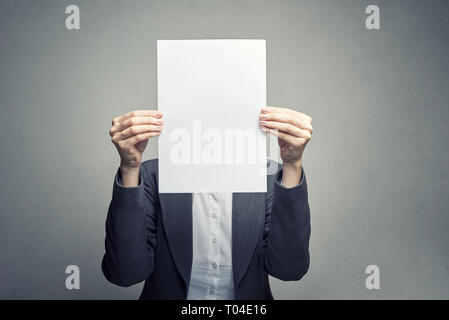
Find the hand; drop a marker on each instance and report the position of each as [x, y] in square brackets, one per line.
[130, 133]
[294, 130]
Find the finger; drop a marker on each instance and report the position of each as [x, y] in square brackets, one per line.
[287, 118]
[139, 137]
[287, 128]
[295, 141]
[302, 118]
[133, 130]
[135, 121]
[269, 109]
[137, 113]
[282, 126]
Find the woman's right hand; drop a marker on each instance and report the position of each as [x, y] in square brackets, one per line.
[130, 133]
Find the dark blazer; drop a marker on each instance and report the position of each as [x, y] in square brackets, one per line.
[149, 237]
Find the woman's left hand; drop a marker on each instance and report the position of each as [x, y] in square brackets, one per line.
[293, 129]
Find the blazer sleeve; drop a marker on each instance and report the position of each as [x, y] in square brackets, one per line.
[287, 229]
[131, 231]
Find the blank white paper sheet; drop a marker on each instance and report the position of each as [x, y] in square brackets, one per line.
[211, 93]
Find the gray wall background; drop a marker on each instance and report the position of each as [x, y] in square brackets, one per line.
[377, 165]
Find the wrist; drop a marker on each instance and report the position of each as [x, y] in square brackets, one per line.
[130, 176]
[294, 166]
[291, 173]
[125, 169]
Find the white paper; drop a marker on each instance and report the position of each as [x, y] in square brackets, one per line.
[211, 93]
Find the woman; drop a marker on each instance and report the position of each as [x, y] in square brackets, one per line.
[207, 246]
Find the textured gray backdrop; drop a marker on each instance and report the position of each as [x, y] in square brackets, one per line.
[377, 165]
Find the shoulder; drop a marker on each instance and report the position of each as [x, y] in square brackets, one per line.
[149, 170]
[150, 166]
[273, 168]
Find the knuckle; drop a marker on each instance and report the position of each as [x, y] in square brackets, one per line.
[137, 138]
[114, 138]
[308, 136]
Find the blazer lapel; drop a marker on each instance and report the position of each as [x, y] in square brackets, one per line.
[248, 212]
[176, 210]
